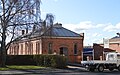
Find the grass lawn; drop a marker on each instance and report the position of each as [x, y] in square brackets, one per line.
[20, 67]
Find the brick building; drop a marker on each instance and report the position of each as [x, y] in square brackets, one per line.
[55, 40]
[114, 46]
[99, 50]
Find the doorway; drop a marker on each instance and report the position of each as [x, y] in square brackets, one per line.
[64, 51]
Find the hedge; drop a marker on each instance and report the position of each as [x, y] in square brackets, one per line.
[20, 60]
[55, 61]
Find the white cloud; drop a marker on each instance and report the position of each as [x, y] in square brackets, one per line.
[100, 25]
[98, 40]
[70, 26]
[80, 26]
[91, 38]
[85, 25]
[117, 26]
[109, 28]
[112, 28]
[94, 33]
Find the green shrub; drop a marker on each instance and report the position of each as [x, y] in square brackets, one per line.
[39, 60]
[55, 61]
[20, 60]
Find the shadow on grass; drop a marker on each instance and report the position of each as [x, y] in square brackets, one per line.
[20, 70]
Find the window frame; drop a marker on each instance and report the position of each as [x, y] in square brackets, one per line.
[50, 48]
[75, 48]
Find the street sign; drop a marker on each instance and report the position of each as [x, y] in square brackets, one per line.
[106, 43]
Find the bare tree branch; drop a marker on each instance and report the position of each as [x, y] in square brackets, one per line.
[7, 46]
[15, 14]
[9, 17]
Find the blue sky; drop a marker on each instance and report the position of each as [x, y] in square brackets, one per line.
[98, 19]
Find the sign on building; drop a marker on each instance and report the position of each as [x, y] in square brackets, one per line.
[106, 43]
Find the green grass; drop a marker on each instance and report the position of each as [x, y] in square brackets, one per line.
[20, 67]
[3, 69]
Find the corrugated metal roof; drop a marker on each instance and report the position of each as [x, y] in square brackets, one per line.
[55, 31]
[60, 32]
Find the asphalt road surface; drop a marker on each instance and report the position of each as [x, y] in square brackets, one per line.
[72, 70]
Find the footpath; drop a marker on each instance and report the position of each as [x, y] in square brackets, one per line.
[48, 71]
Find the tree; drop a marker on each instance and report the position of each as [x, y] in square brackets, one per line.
[16, 15]
[49, 19]
[48, 22]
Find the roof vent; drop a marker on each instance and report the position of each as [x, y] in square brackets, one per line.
[58, 25]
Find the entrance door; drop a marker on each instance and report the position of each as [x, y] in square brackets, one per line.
[64, 51]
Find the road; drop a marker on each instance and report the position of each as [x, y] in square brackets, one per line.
[82, 73]
[72, 70]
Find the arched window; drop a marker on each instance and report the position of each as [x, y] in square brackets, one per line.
[50, 48]
[75, 48]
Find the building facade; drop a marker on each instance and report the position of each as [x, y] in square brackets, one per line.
[114, 46]
[55, 40]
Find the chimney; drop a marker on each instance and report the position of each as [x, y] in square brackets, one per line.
[82, 35]
[58, 25]
[23, 32]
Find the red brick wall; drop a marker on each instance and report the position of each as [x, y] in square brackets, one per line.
[115, 47]
[57, 43]
[98, 50]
